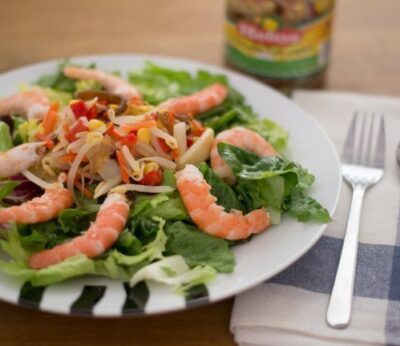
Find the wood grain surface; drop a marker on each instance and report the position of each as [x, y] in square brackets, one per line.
[365, 56]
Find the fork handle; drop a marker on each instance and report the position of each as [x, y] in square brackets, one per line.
[339, 309]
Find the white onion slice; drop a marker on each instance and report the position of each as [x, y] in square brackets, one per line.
[165, 163]
[145, 149]
[106, 186]
[169, 140]
[142, 188]
[199, 151]
[180, 136]
[110, 169]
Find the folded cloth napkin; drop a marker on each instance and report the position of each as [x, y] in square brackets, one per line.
[290, 308]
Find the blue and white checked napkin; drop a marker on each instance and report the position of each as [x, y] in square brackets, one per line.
[290, 308]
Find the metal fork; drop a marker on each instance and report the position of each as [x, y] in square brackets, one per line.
[361, 169]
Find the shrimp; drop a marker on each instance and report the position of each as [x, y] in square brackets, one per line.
[211, 217]
[197, 103]
[100, 236]
[242, 138]
[32, 104]
[39, 209]
[112, 83]
[19, 158]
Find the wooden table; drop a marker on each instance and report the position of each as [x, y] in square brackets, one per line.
[365, 58]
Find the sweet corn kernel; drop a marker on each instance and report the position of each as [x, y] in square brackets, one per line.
[143, 135]
[151, 166]
[138, 109]
[95, 124]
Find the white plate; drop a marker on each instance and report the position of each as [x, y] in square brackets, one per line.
[258, 260]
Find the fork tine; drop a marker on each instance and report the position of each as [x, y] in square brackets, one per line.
[379, 157]
[359, 151]
[348, 148]
[368, 153]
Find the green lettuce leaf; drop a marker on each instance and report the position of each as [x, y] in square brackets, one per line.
[305, 208]
[157, 83]
[149, 252]
[199, 248]
[58, 81]
[7, 187]
[54, 95]
[90, 84]
[10, 242]
[77, 220]
[225, 195]
[42, 235]
[144, 229]
[174, 271]
[6, 141]
[128, 243]
[26, 130]
[274, 183]
[271, 131]
[113, 264]
[166, 206]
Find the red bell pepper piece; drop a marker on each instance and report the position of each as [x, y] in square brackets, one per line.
[92, 112]
[152, 178]
[79, 126]
[129, 140]
[79, 108]
[164, 147]
[113, 132]
[189, 142]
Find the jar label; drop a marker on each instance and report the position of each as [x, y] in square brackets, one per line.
[266, 47]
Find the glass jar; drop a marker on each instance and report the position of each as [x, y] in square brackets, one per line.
[283, 42]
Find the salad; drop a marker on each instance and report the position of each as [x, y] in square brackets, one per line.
[152, 178]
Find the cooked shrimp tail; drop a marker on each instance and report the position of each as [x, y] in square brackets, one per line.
[31, 104]
[211, 217]
[242, 138]
[39, 209]
[197, 103]
[111, 83]
[19, 158]
[100, 236]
